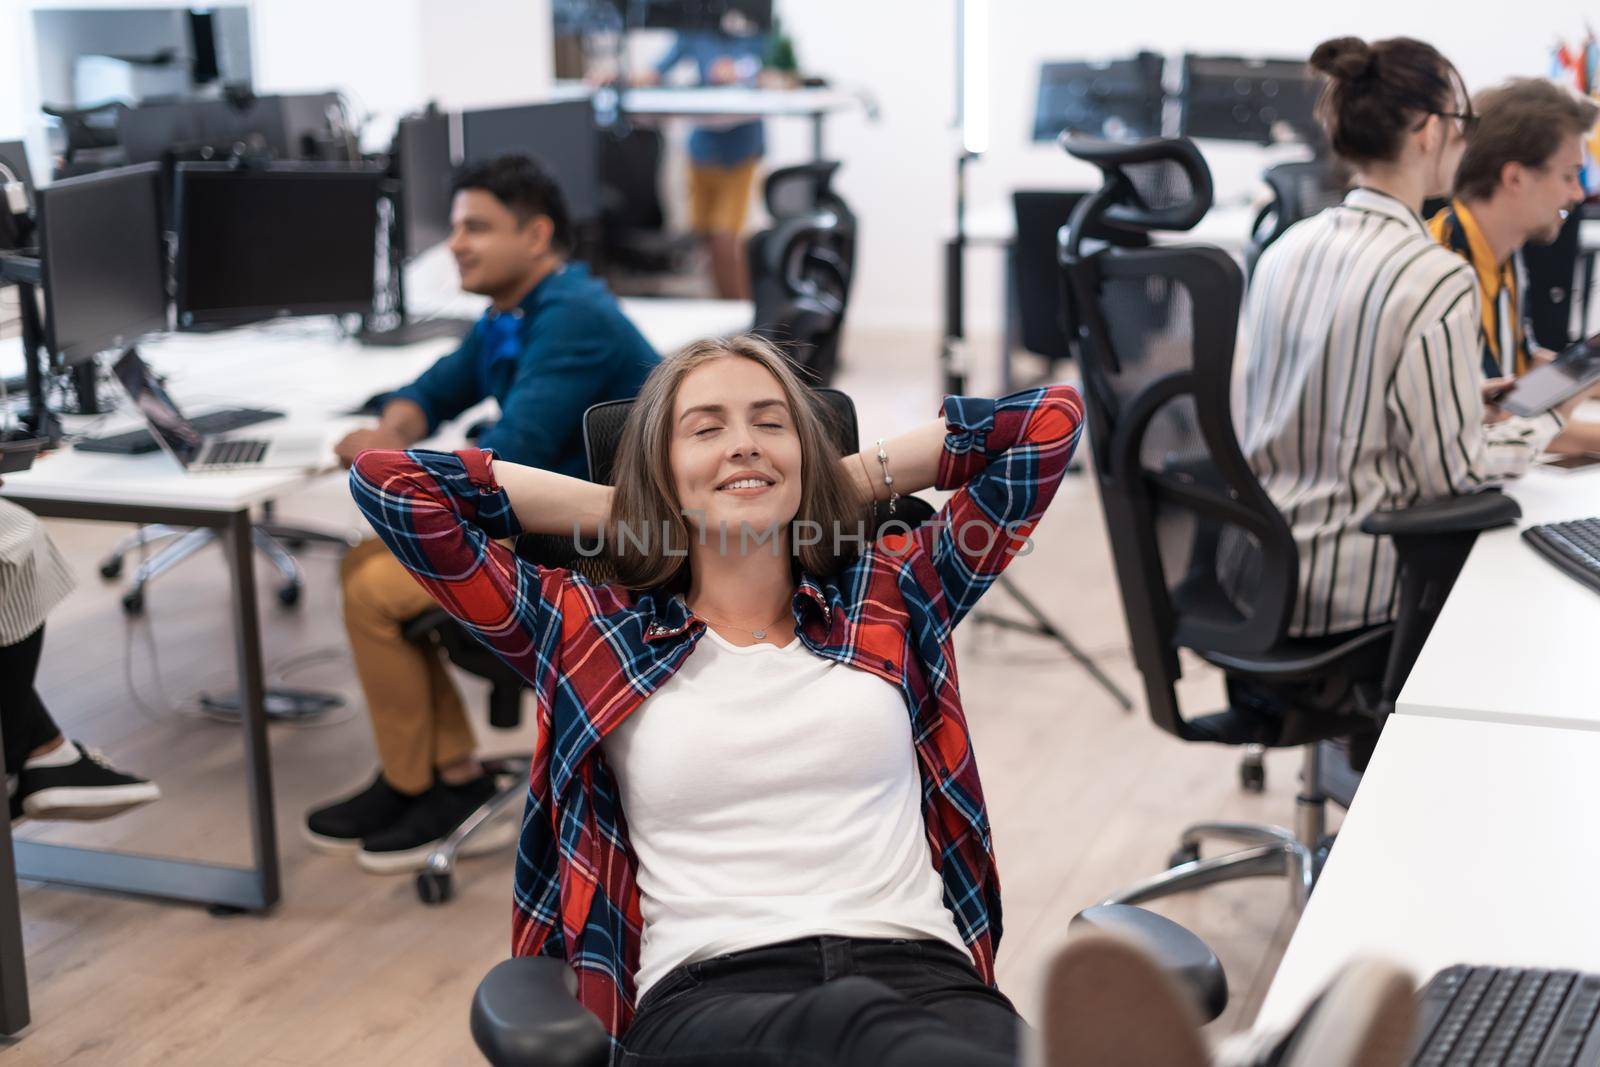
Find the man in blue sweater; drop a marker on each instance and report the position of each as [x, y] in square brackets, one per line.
[552, 343]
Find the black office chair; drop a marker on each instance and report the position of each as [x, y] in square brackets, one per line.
[1040, 314]
[800, 272]
[633, 222]
[92, 137]
[1204, 560]
[1299, 190]
[525, 1012]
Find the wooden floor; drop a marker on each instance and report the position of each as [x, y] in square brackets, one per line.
[350, 968]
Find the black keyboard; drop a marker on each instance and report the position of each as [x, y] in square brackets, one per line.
[137, 442]
[1508, 1016]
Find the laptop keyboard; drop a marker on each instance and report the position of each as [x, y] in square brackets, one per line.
[1508, 1016]
[227, 454]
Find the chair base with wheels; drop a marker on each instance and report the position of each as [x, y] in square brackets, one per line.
[436, 880]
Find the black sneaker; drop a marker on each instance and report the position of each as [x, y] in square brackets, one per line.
[430, 819]
[340, 826]
[87, 788]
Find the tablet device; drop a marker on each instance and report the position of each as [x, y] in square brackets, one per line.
[1560, 380]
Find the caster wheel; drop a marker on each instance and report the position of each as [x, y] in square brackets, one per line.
[111, 568]
[433, 887]
[1183, 854]
[1252, 777]
[289, 595]
[133, 604]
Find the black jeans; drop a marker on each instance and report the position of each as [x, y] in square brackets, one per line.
[826, 1002]
[24, 722]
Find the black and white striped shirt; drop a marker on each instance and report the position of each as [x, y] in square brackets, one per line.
[1361, 393]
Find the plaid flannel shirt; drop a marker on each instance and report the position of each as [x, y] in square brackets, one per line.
[593, 653]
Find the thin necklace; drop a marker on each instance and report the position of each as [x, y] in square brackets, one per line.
[759, 635]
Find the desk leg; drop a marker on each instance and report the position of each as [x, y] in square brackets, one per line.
[816, 137]
[254, 888]
[252, 702]
[13, 964]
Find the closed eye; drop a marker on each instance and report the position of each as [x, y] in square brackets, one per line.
[705, 430]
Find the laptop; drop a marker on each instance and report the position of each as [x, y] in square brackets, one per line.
[200, 453]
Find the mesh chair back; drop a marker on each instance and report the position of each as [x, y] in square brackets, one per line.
[1203, 558]
[800, 273]
[1299, 191]
[803, 189]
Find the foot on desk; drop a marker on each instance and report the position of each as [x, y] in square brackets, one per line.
[1108, 1002]
[1364, 1018]
[83, 785]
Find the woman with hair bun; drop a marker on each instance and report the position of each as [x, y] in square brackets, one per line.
[1362, 387]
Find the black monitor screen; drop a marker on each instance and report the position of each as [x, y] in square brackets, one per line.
[286, 240]
[1257, 100]
[424, 164]
[1119, 100]
[561, 135]
[104, 261]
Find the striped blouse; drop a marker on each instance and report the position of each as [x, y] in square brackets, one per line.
[1361, 393]
[33, 576]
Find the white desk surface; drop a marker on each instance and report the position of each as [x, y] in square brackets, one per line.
[734, 101]
[306, 370]
[1516, 641]
[1468, 842]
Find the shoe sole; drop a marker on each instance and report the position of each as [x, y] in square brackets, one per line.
[1109, 1004]
[500, 834]
[334, 846]
[1365, 1019]
[87, 803]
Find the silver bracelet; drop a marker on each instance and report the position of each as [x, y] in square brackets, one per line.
[888, 479]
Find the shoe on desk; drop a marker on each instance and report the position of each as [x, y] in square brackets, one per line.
[1109, 1003]
[430, 819]
[74, 782]
[1365, 1018]
[340, 826]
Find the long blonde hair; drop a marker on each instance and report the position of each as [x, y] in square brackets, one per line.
[647, 497]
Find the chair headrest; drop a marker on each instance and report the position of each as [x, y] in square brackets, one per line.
[1161, 183]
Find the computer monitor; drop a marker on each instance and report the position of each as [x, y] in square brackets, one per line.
[1240, 99]
[1119, 99]
[103, 261]
[422, 158]
[281, 126]
[289, 239]
[560, 134]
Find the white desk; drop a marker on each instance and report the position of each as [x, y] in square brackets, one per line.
[727, 104]
[1226, 225]
[1516, 641]
[1469, 842]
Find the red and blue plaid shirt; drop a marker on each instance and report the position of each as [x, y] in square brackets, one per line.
[593, 653]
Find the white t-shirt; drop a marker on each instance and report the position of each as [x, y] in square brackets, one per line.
[771, 794]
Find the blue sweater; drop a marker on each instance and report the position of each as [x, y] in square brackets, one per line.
[565, 347]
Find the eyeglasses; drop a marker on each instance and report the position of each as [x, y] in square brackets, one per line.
[1468, 120]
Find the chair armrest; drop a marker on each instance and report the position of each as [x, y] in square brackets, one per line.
[1459, 514]
[1180, 953]
[526, 1014]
